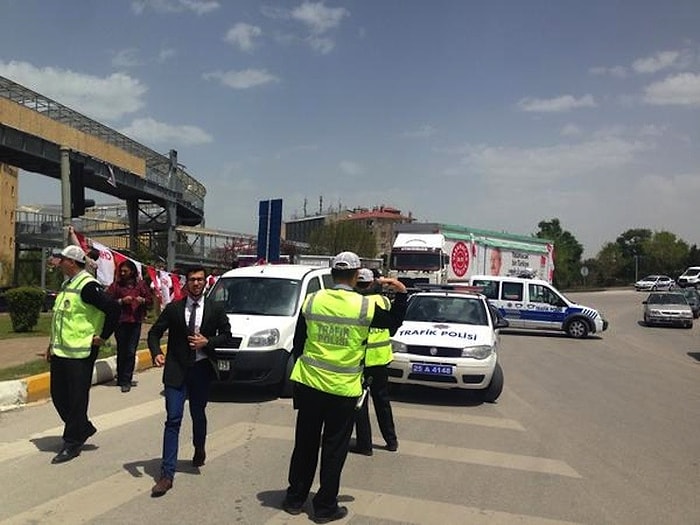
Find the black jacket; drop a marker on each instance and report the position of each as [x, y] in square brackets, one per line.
[179, 356]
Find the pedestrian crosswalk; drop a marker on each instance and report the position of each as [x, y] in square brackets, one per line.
[270, 424]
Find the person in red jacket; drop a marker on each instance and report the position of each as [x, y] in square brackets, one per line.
[135, 298]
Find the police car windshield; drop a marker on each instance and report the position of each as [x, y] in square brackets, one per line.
[257, 295]
[447, 309]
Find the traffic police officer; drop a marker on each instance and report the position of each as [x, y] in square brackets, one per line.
[377, 358]
[330, 341]
[83, 318]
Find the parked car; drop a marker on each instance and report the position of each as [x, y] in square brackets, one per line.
[449, 339]
[654, 283]
[693, 297]
[49, 299]
[690, 277]
[667, 308]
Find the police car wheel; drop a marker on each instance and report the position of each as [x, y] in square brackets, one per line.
[577, 328]
[492, 392]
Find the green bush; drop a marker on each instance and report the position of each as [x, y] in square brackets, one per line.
[25, 304]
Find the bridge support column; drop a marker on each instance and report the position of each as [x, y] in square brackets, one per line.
[132, 211]
[171, 209]
[65, 193]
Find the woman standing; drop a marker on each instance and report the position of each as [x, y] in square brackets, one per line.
[135, 298]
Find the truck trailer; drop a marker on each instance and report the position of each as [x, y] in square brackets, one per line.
[433, 253]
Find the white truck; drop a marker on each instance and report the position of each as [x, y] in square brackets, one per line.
[432, 253]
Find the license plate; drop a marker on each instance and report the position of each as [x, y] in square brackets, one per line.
[435, 370]
[224, 365]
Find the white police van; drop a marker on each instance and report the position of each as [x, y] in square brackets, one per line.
[535, 304]
[448, 339]
[263, 305]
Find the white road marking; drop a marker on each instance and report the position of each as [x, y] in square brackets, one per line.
[451, 417]
[104, 422]
[89, 502]
[399, 509]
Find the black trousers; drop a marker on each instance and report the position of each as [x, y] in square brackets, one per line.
[379, 391]
[70, 393]
[127, 336]
[323, 420]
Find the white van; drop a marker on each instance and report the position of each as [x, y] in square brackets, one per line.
[263, 304]
[690, 277]
[536, 304]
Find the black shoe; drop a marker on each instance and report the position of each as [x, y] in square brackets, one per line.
[393, 446]
[126, 388]
[339, 514]
[67, 453]
[89, 433]
[363, 451]
[294, 510]
[199, 457]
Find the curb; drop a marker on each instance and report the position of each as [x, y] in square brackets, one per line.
[19, 392]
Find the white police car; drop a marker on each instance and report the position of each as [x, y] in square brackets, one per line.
[448, 339]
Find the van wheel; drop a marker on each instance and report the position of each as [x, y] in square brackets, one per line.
[577, 328]
[286, 386]
[493, 391]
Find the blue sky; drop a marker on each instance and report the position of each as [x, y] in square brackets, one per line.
[492, 114]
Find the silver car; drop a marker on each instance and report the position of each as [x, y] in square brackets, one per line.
[667, 308]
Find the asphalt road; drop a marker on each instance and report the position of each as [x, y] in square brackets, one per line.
[597, 431]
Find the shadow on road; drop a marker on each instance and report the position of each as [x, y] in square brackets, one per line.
[423, 395]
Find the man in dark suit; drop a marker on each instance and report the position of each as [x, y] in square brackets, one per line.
[195, 328]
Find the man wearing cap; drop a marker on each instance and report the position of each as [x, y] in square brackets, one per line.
[83, 318]
[329, 344]
[377, 358]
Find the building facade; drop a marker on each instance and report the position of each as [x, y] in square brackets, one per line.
[8, 204]
[380, 220]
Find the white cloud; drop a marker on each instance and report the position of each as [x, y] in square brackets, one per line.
[321, 45]
[317, 17]
[656, 62]
[151, 131]
[107, 98]
[166, 54]
[126, 58]
[678, 90]
[557, 104]
[243, 79]
[614, 71]
[243, 36]
[199, 7]
[570, 130]
[351, 168]
[423, 131]
[525, 168]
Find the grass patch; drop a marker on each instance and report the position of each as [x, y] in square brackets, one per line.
[42, 328]
[39, 365]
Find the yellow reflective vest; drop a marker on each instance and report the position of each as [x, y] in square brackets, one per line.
[337, 326]
[74, 322]
[379, 339]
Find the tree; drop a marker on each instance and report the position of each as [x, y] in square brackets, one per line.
[632, 248]
[567, 252]
[665, 253]
[610, 266]
[341, 236]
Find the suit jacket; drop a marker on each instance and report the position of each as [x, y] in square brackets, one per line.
[179, 356]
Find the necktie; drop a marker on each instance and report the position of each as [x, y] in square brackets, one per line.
[191, 324]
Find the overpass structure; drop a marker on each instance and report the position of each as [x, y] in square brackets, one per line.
[40, 135]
